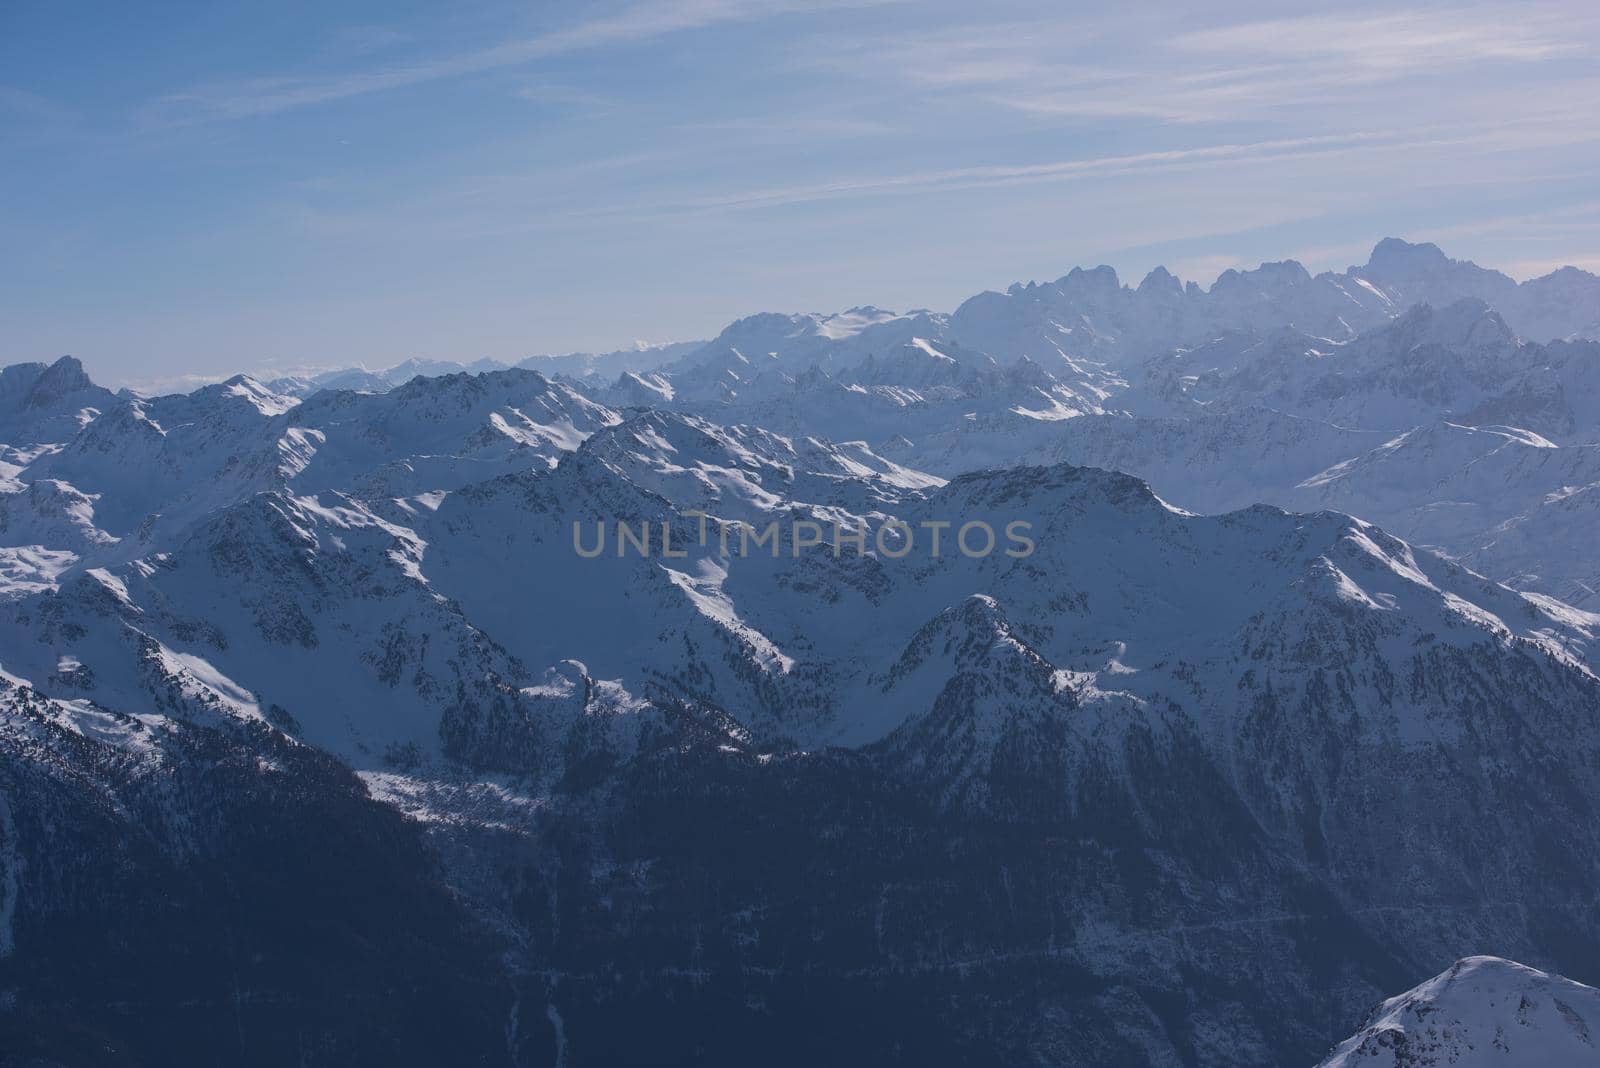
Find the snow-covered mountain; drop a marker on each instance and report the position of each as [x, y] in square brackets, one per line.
[1259, 409]
[147, 469]
[1460, 361]
[606, 366]
[1482, 1012]
[1506, 502]
[40, 402]
[462, 641]
[1090, 314]
[1090, 676]
[576, 366]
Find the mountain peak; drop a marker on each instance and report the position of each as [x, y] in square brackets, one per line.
[1160, 280]
[68, 365]
[1097, 280]
[1285, 271]
[1397, 250]
[1482, 1011]
[64, 376]
[1568, 275]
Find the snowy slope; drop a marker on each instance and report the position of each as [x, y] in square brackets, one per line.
[136, 478]
[574, 365]
[176, 457]
[1460, 361]
[439, 433]
[310, 615]
[1482, 1012]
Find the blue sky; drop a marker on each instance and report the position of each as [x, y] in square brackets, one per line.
[198, 188]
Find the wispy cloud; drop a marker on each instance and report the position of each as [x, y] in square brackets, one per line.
[791, 129]
[516, 203]
[1397, 41]
[1130, 66]
[638, 22]
[1061, 170]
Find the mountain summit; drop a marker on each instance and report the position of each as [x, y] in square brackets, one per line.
[1484, 1012]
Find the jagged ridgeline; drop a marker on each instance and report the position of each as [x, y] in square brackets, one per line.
[321, 742]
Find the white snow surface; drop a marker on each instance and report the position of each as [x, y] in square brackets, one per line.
[1483, 1012]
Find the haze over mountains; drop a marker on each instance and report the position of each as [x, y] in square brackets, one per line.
[1293, 704]
[1105, 318]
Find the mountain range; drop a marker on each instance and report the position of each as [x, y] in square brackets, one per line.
[1089, 314]
[321, 739]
